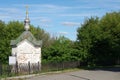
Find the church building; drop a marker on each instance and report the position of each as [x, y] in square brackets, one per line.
[26, 48]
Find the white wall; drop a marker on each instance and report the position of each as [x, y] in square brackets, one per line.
[26, 52]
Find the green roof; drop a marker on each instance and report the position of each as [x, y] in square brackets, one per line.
[26, 35]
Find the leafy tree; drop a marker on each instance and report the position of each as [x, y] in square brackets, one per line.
[99, 40]
[11, 31]
[61, 50]
[87, 34]
[8, 32]
[2, 38]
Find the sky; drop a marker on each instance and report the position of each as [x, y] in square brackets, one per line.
[58, 17]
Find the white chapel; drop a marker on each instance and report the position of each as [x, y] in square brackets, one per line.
[26, 48]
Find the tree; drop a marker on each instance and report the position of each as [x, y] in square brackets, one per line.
[87, 34]
[2, 43]
[99, 39]
[11, 31]
[61, 50]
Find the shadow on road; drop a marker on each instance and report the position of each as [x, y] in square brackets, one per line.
[116, 69]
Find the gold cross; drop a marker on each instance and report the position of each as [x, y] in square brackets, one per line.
[26, 9]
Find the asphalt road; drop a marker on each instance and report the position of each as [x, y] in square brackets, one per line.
[82, 75]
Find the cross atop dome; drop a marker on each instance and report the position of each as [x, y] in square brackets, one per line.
[26, 48]
[27, 21]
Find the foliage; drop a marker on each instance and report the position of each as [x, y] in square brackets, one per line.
[99, 39]
[12, 30]
[61, 50]
[53, 49]
[2, 42]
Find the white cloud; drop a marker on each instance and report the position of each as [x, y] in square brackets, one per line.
[10, 13]
[3, 17]
[70, 23]
[55, 7]
[81, 14]
[62, 33]
[45, 25]
[43, 8]
[45, 20]
[9, 9]
[37, 17]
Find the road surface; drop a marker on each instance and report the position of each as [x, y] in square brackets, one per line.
[81, 75]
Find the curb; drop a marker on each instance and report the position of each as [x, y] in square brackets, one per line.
[29, 76]
[32, 75]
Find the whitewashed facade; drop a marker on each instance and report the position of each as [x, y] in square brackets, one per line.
[26, 52]
[26, 48]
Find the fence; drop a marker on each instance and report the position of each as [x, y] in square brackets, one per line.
[30, 68]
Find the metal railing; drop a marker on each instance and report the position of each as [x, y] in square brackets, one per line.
[30, 68]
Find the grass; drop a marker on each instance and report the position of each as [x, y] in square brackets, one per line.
[14, 79]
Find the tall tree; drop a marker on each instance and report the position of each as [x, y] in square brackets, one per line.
[61, 50]
[2, 42]
[11, 31]
[99, 39]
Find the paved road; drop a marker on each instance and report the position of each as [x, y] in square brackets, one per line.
[82, 75]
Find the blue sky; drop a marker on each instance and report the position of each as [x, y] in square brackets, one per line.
[58, 17]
